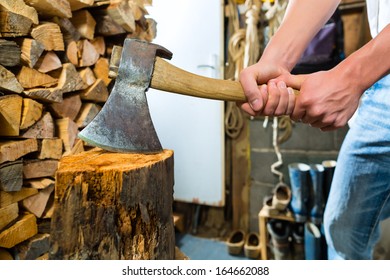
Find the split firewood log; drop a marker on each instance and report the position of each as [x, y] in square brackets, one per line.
[68, 108]
[10, 53]
[39, 168]
[7, 198]
[122, 14]
[84, 22]
[14, 149]
[8, 214]
[31, 78]
[87, 113]
[36, 204]
[50, 8]
[50, 149]
[10, 114]
[24, 228]
[101, 70]
[68, 81]
[88, 76]
[69, 31]
[67, 130]
[79, 4]
[44, 128]
[33, 248]
[31, 51]
[8, 81]
[32, 112]
[98, 92]
[19, 7]
[48, 62]
[14, 25]
[11, 176]
[49, 35]
[82, 53]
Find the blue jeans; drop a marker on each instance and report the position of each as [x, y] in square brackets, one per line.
[360, 193]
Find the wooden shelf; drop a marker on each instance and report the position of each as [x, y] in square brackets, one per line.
[263, 219]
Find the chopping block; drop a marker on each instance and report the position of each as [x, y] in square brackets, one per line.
[113, 206]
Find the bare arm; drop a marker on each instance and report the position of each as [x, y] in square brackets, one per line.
[328, 99]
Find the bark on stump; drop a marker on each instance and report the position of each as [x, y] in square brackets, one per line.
[113, 206]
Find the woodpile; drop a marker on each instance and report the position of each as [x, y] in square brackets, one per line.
[54, 64]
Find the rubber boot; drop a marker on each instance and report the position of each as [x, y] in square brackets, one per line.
[299, 181]
[280, 231]
[316, 201]
[312, 242]
[329, 166]
[298, 238]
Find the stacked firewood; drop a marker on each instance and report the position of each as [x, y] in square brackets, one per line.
[54, 64]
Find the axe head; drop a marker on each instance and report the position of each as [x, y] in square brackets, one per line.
[124, 124]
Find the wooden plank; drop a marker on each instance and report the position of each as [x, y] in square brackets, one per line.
[11, 178]
[7, 198]
[24, 228]
[121, 204]
[13, 150]
[8, 214]
[10, 114]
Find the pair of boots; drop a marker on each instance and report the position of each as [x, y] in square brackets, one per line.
[239, 241]
[310, 186]
[287, 239]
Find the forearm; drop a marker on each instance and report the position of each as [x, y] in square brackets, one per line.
[368, 64]
[303, 19]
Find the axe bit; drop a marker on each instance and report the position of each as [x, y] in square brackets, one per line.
[124, 124]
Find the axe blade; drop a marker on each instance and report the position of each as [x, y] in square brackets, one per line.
[124, 124]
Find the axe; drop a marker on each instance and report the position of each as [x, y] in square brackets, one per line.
[124, 123]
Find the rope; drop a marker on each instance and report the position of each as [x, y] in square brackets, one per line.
[275, 13]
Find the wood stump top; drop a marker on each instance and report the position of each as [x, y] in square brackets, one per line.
[101, 160]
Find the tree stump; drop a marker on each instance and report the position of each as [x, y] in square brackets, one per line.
[113, 206]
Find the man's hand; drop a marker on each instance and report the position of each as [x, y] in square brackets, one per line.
[327, 99]
[271, 99]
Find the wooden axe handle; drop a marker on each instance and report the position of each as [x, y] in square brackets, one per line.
[167, 77]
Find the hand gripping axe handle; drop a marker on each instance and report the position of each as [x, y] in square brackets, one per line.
[124, 124]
